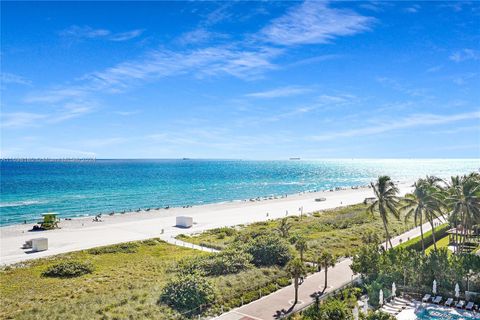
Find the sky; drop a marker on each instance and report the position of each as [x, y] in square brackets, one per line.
[241, 80]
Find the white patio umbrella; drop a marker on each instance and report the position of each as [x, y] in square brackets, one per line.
[355, 313]
[380, 297]
[434, 288]
[394, 290]
[365, 306]
[457, 291]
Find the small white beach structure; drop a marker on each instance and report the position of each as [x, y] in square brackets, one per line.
[434, 288]
[394, 290]
[380, 297]
[184, 222]
[39, 244]
[457, 291]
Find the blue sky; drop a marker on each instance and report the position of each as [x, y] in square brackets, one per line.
[250, 80]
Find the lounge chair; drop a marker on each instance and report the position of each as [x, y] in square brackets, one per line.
[449, 302]
[437, 299]
[426, 298]
[469, 306]
[460, 304]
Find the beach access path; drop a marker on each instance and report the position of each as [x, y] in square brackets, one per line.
[270, 306]
[83, 233]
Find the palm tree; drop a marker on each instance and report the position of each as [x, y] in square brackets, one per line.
[284, 227]
[464, 200]
[296, 269]
[423, 203]
[301, 245]
[326, 260]
[387, 202]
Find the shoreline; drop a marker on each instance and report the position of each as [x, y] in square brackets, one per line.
[83, 233]
[32, 221]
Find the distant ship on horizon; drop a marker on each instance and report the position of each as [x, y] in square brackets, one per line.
[294, 158]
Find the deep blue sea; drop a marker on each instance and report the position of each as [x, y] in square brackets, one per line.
[87, 188]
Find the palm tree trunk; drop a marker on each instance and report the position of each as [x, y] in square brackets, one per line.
[296, 290]
[433, 235]
[301, 255]
[326, 279]
[387, 234]
[421, 233]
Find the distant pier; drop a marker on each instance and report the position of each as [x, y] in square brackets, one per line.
[48, 159]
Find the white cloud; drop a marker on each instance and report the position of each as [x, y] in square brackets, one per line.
[465, 54]
[87, 32]
[199, 35]
[314, 22]
[414, 120]
[68, 111]
[413, 9]
[13, 78]
[280, 92]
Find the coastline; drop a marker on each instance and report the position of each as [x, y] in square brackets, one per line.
[82, 233]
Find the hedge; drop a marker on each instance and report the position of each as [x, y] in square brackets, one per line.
[416, 243]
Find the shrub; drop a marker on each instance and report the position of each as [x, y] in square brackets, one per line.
[127, 247]
[331, 309]
[222, 263]
[379, 315]
[68, 269]
[416, 243]
[188, 292]
[269, 251]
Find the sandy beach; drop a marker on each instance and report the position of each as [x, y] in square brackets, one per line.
[83, 233]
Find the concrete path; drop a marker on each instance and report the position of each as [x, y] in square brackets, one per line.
[269, 307]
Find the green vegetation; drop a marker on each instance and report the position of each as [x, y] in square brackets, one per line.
[127, 282]
[188, 293]
[441, 244]
[339, 231]
[68, 269]
[416, 243]
[413, 271]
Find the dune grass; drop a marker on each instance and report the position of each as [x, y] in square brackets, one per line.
[340, 231]
[126, 284]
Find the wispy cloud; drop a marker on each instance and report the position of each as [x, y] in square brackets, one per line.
[413, 9]
[314, 22]
[68, 111]
[280, 92]
[87, 32]
[465, 54]
[198, 36]
[7, 78]
[414, 120]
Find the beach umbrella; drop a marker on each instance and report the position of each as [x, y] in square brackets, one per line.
[434, 288]
[355, 313]
[457, 291]
[380, 297]
[394, 290]
[365, 306]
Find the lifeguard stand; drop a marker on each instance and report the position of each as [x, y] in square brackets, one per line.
[50, 221]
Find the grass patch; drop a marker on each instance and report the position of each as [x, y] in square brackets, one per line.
[127, 283]
[442, 243]
[339, 231]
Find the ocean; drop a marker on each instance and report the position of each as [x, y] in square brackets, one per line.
[74, 189]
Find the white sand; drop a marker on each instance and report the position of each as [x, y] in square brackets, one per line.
[82, 233]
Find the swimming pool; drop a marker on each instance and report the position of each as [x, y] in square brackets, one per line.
[441, 313]
[431, 312]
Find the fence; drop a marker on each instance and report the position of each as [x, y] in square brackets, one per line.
[320, 298]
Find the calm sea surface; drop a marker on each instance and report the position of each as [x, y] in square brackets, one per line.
[86, 188]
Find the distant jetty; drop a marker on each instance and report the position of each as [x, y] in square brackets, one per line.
[47, 159]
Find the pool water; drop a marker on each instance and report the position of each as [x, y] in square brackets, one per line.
[439, 313]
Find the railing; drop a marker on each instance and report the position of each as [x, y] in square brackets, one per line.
[320, 298]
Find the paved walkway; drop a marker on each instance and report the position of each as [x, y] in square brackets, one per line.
[269, 307]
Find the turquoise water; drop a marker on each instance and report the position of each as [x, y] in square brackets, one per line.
[434, 313]
[87, 188]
